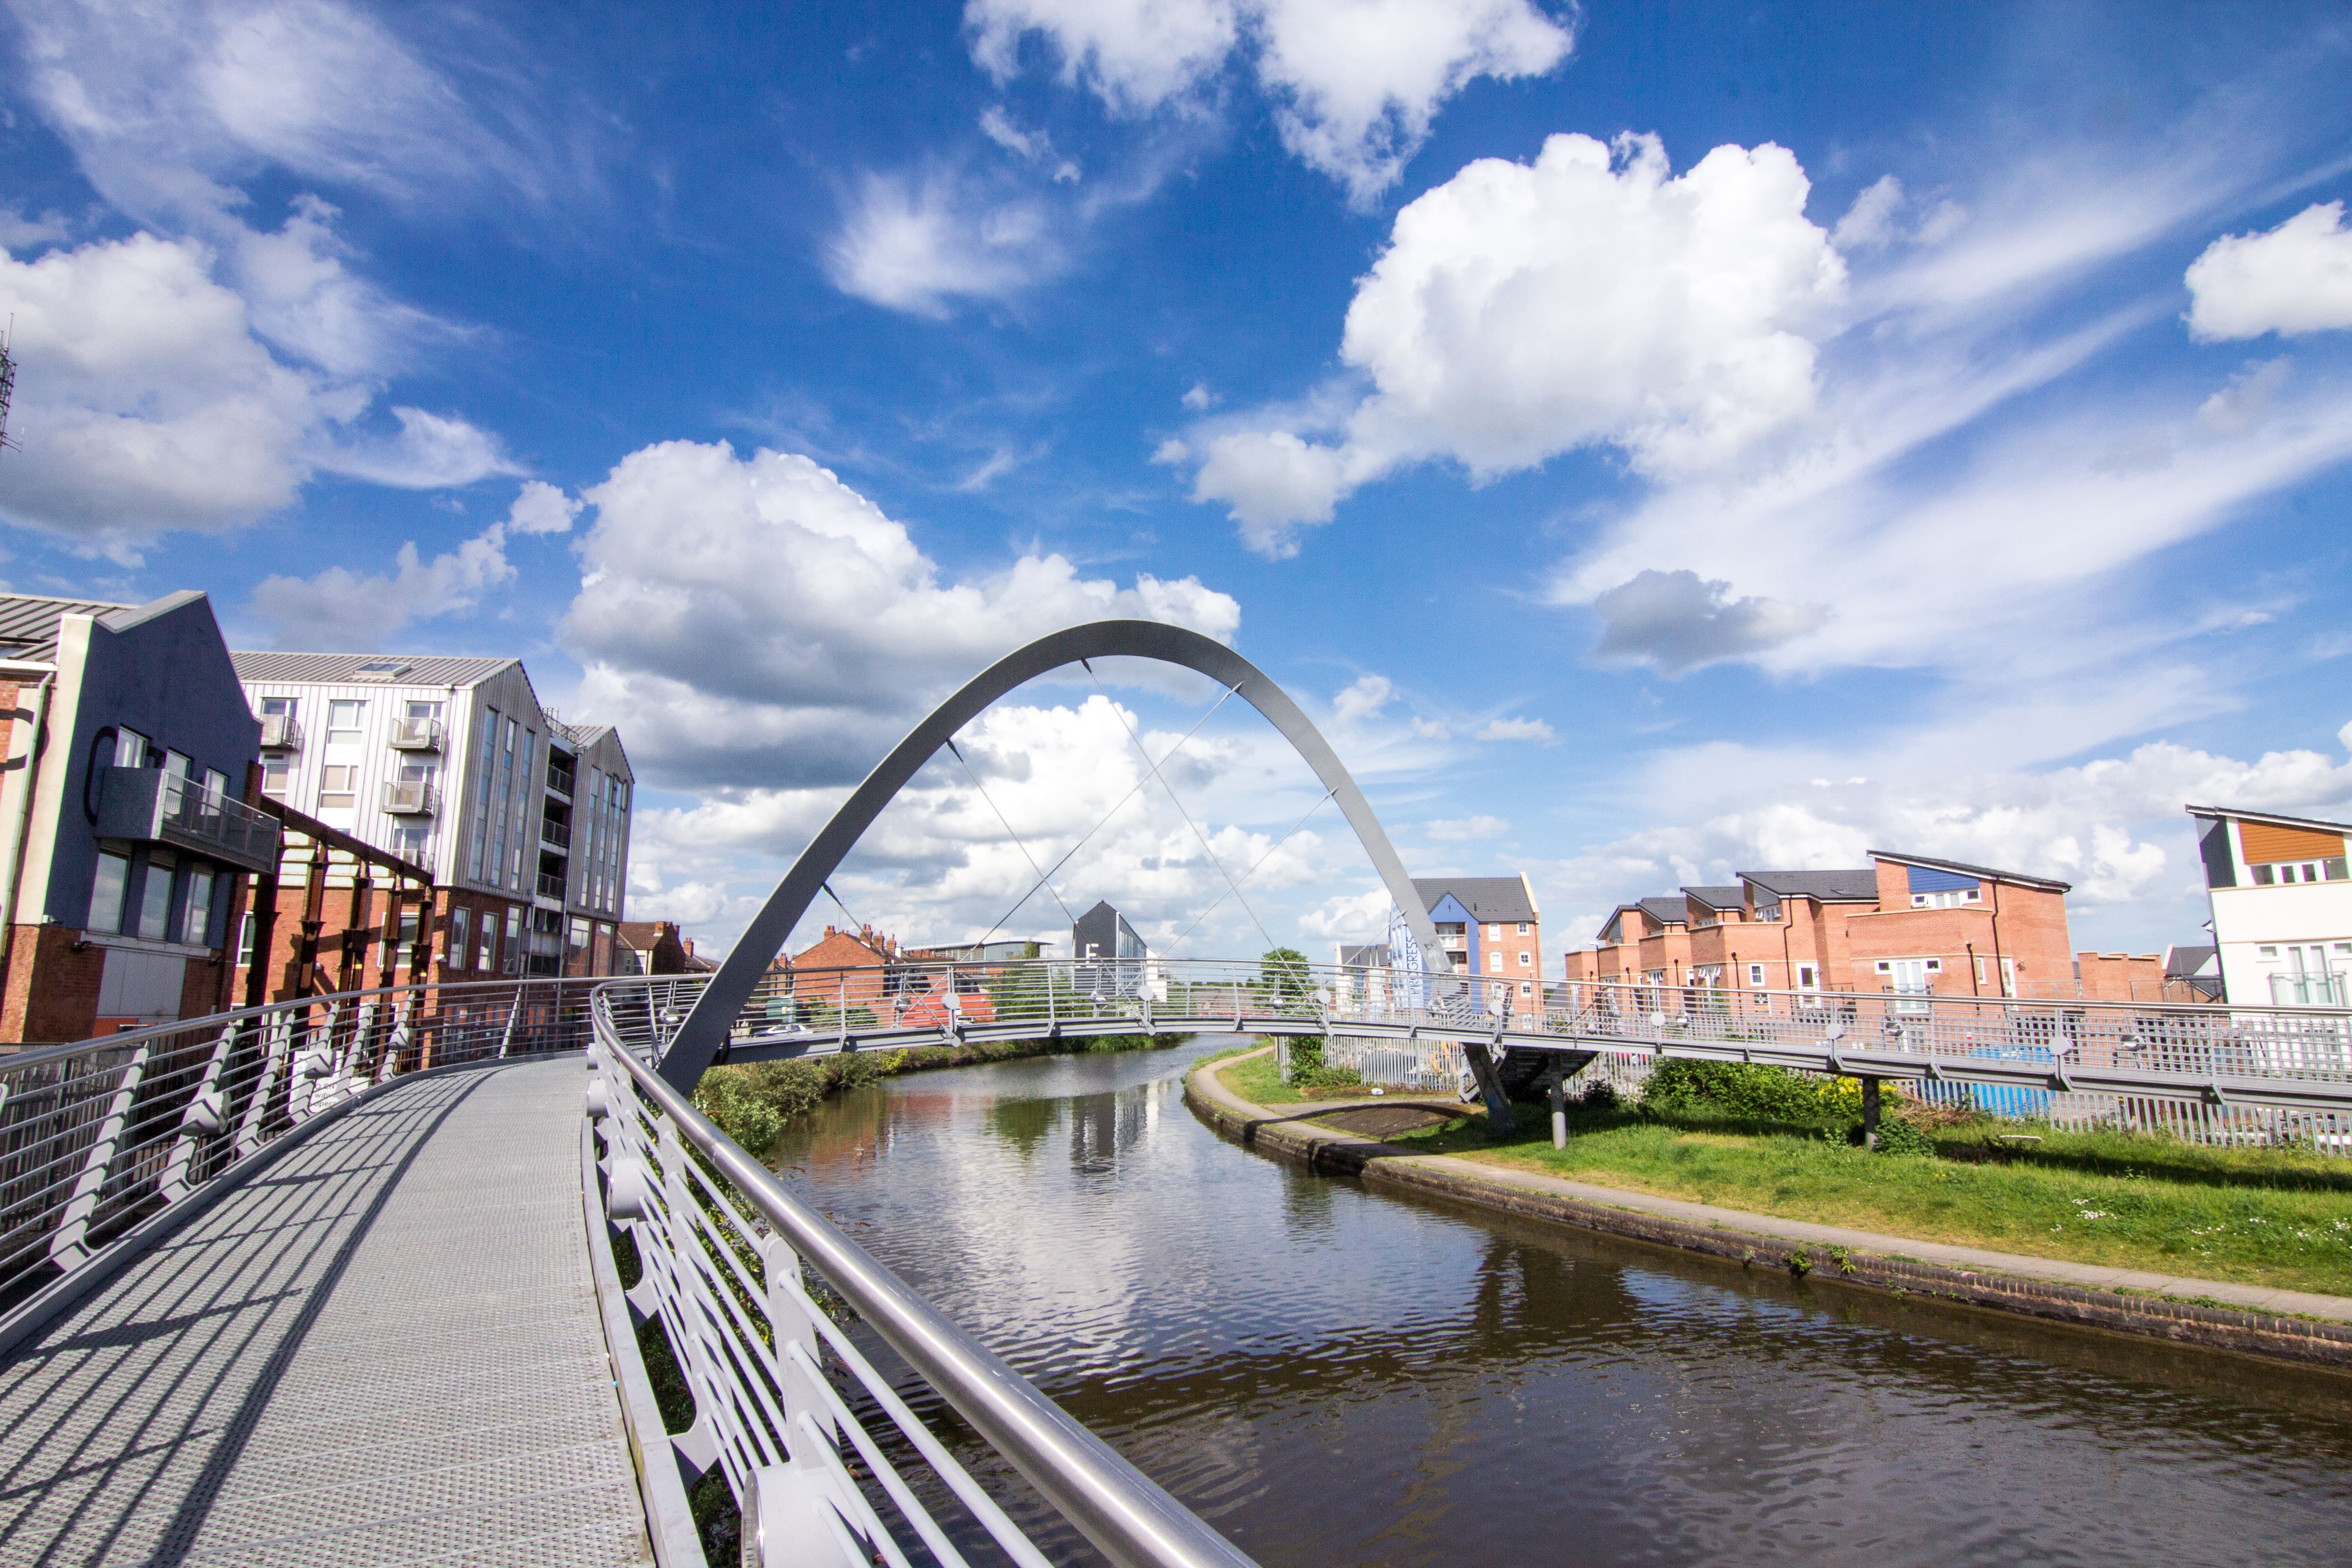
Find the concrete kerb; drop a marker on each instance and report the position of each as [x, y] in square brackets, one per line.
[37, 1310]
[1760, 1241]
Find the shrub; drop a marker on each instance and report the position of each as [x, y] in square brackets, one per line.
[1600, 1094]
[1737, 1091]
[1897, 1135]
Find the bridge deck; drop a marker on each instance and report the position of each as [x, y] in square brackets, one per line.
[383, 1349]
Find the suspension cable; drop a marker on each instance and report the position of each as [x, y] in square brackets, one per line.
[1107, 815]
[1008, 830]
[1261, 860]
[1206, 849]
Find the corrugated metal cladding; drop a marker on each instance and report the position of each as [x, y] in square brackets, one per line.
[2266, 844]
[337, 668]
[1927, 879]
[28, 624]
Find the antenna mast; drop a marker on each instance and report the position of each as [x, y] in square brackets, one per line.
[9, 385]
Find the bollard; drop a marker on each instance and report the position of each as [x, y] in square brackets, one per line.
[1558, 1112]
[1870, 1113]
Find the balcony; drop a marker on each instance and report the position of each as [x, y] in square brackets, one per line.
[279, 730]
[559, 780]
[550, 887]
[416, 734]
[555, 835]
[411, 797]
[148, 805]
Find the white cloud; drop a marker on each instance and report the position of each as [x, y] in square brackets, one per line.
[1198, 397]
[541, 508]
[753, 620]
[2293, 279]
[1524, 310]
[308, 303]
[143, 400]
[341, 609]
[1463, 829]
[1870, 222]
[1030, 146]
[1361, 700]
[1677, 622]
[1517, 730]
[432, 452]
[1356, 83]
[916, 245]
[20, 233]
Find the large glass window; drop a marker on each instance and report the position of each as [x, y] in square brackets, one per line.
[489, 955]
[338, 788]
[514, 937]
[277, 775]
[155, 900]
[344, 721]
[130, 749]
[196, 927]
[461, 937]
[106, 892]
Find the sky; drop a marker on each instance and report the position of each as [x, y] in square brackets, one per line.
[1654, 442]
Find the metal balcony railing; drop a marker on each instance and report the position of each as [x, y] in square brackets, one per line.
[550, 887]
[282, 731]
[411, 797]
[149, 806]
[416, 735]
[556, 836]
[559, 781]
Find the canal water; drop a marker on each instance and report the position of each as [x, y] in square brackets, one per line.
[1334, 1375]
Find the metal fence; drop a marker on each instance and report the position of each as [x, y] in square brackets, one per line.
[825, 1460]
[96, 1137]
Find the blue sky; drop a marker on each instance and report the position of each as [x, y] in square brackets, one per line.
[1658, 441]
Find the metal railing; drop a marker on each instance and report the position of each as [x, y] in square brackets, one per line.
[416, 734]
[156, 806]
[411, 797]
[97, 1137]
[743, 1275]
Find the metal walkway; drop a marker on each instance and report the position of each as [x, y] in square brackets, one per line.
[383, 1349]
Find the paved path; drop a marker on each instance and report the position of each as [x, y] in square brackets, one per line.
[2255, 1297]
[383, 1349]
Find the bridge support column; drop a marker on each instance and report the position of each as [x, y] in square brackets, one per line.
[1499, 1119]
[1870, 1113]
[1559, 1109]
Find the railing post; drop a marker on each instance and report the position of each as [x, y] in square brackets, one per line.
[840, 1010]
[279, 1034]
[506, 1040]
[388, 1064]
[205, 1115]
[66, 1246]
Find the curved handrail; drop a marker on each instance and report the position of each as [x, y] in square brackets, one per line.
[1126, 1514]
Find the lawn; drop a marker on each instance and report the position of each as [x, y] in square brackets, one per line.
[2272, 1217]
[1258, 1081]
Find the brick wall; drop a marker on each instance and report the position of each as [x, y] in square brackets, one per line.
[52, 997]
[2122, 977]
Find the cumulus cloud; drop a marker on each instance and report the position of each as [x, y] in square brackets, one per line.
[1462, 829]
[754, 620]
[340, 609]
[1676, 622]
[1590, 298]
[1356, 83]
[541, 508]
[918, 243]
[432, 452]
[2293, 279]
[1516, 729]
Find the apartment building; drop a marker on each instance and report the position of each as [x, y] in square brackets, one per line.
[521, 821]
[1907, 924]
[1487, 926]
[2282, 903]
[128, 840]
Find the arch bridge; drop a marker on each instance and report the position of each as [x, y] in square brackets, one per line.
[372, 1277]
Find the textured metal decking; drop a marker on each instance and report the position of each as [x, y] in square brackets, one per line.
[383, 1349]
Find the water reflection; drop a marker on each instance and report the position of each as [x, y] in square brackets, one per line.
[1335, 1376]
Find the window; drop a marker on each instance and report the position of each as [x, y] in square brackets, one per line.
[130, 749]
[1949, 898]
[197, 925]
[2009, 977]
[490, 956]
[1756, 975]
[277, 776]
[2292, 871]
[424, 710]
[244, 932]
[1770, 911]
[514, 938]
[461, 937]
[1808, 977]
[278, 707]
[338, 788]
[1495, 963]
[217, 783]
[1523, 928]
[1527, 988]
[106, 892]
[155, 900]
[343, 722]
[1527, 959]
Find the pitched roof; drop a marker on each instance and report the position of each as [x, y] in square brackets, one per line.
[1734, 897]
[2046, 884]
[1852, 887]
[2271, 818]
[29, 623]
[1669, 908]
[1486, 898]
[385, 669]
[2181, 961]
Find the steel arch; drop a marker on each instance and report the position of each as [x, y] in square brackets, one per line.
[703, 1033]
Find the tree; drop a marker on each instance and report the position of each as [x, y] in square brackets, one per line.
[1283, 976]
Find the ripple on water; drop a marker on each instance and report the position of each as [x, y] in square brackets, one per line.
[1338, 1376]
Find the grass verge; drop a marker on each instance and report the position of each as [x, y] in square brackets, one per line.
[1259, 1082]
[2270, 1218]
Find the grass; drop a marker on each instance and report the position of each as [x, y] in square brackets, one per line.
[2271, 1218]
[1259, 1082]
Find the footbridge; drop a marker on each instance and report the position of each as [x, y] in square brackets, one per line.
[459, 1273]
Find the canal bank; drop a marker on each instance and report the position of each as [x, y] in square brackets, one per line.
[2289, 1325]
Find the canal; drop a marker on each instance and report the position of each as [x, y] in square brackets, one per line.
[1336, 1376]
